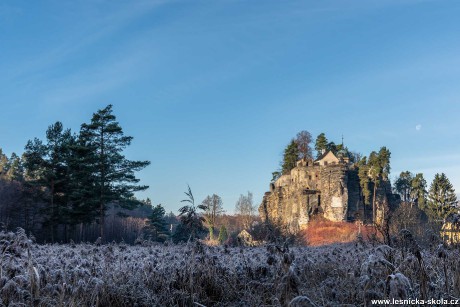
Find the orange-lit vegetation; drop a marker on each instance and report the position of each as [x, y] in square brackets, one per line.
[322, 232]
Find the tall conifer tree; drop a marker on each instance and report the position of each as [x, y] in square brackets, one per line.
[290, 157]
[320, 144]
[403, 186]
[156, 225]
[442, 200]
[418, 190]
[113, 174]
[4, 163]
[379, 170]
[47, 166]
[15, 168]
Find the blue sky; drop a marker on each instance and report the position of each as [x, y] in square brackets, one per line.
[212, 91]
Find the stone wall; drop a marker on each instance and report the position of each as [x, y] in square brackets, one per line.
[332, 191]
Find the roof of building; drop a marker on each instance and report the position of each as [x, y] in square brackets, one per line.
[324, 155]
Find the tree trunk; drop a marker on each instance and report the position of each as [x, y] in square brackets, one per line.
[53, 221]
[374, 206]
[102, 187]
[81, 233]
[101, 221]
[364, 206]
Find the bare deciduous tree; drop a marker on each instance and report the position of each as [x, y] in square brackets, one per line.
[245, 208]
[303, 140]
[213, 207]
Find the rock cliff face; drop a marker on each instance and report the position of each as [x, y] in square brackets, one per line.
[327, 188]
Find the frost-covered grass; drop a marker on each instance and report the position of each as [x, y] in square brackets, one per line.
[195, 274]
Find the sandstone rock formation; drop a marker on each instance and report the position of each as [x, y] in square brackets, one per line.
[328, 187]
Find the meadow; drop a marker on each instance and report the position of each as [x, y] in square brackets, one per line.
[194, 274]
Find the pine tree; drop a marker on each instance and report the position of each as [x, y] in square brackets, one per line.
[156, 225]
[11, 168]
[331, 146]
[442, 200]
[320, 144]
[412, 189]
[113, 174]
[290, 157]
[47, 166]
[83, 201]
[379, 170]
[15, 168]
[223, 235]
[403, 186]
[363, 173]
[418, 190]
[4, 163]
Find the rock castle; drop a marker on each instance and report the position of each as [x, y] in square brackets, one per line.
[329, 187]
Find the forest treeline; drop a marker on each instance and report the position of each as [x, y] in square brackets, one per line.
[70, 179]
[81, 187]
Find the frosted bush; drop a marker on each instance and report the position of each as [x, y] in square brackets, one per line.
[398, 286]
[301, 301]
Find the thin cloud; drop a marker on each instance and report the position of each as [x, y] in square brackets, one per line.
[98, 80]
[33, 69]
